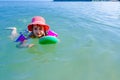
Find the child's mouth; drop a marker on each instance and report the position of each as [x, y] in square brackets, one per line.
[37, 33]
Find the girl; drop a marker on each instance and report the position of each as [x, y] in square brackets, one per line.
[38, 29]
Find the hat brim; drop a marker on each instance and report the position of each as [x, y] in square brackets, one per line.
[30, 26]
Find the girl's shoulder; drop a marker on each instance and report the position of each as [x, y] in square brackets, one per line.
[31, 35]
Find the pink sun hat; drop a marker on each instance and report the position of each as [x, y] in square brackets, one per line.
[38, 20]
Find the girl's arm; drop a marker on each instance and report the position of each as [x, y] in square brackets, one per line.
[23, 42]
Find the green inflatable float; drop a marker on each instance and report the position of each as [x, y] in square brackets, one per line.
[48, 40]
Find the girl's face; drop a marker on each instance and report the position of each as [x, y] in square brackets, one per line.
[38, 31]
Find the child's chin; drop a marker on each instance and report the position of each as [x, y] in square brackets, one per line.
[39, 36]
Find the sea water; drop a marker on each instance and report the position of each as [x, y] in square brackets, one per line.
[89, 47]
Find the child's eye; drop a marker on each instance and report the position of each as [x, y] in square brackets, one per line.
[40, 28]
[35, 28]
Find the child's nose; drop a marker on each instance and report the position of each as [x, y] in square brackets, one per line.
[38, 30]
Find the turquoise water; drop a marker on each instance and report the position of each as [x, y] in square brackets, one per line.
[89, 34]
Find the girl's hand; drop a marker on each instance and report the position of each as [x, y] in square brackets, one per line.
[30, 45]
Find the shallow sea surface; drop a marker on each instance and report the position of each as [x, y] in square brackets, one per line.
[89, 47]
